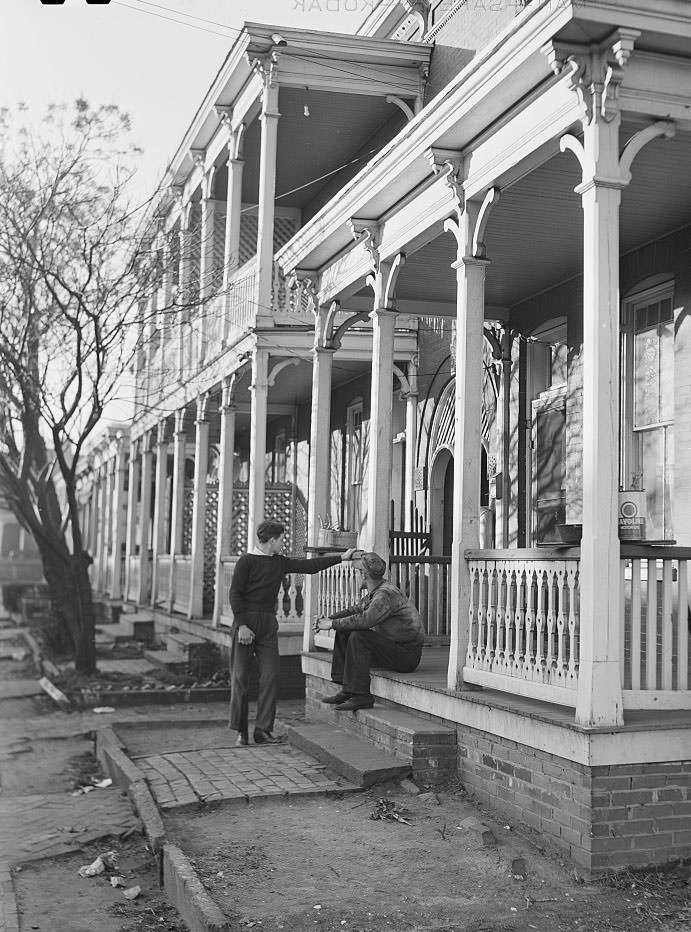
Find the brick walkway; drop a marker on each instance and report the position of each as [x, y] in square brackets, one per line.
[188, 778]
[33, 827]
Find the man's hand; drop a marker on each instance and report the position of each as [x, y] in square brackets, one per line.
[321, 624]
[348, 555]
[245, 635]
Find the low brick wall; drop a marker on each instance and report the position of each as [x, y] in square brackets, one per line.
[604, 818]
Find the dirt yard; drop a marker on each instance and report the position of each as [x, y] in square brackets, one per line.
[331, 865]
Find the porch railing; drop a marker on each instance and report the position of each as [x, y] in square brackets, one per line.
[133, 579]
[182, 583]
[338, 588]
[427, 583]
[290, 604]
[162, 580]
[655, 627]
[524, 623]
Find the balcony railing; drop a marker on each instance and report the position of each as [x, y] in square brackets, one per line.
[524, 623]
[241, 307]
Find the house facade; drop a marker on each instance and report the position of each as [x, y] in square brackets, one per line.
[443, 271]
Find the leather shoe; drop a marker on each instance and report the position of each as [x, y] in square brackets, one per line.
[242, 739]
[355, 703]
[336, 699]
[264, 737]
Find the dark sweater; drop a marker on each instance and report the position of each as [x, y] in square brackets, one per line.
[257, 580]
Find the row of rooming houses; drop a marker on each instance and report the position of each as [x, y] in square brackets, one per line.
[444, 271]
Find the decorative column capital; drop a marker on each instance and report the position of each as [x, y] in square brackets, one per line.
[327, 336]
[202, 408]
[595, 72]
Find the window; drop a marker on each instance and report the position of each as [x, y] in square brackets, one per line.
[354, 464]
[648, 404]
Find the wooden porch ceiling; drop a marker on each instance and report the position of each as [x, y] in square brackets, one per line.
[535, 234]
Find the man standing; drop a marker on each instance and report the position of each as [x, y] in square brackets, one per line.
[384, 630]
[253, 593]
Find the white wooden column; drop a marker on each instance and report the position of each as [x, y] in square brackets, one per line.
[101, 527]
[470, 309]
[144, 519]
[410, 445]
[108, 530]
[381, 432]
[267, 193]
[184, 277]
[224, 521]
[132, 508]
[605, 172]
[119, 521]
[206, 263]
[160, 484]
[201, 466]
[259, 391]
[320, 432]
[178, 496]
[231, 253]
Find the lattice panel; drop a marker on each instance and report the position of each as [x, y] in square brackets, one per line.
[278, 507]
[187, 512]
[284, 229]
[249, 226]
[210, 521]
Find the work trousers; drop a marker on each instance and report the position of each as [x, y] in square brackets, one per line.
[355, 652]
[265, 648]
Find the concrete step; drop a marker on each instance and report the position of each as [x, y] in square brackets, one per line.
[167, 660]
[131, 628]
[354, 758]
[182, 643]
[428, 746]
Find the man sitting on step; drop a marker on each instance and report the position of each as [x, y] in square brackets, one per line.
[383, 630]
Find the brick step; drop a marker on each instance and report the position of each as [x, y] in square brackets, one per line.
[429, 747]
[182, 643]
[347, 754]
[166, 660]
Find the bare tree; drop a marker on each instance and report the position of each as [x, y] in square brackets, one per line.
[75, 273]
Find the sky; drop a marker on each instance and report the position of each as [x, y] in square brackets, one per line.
[155, 59]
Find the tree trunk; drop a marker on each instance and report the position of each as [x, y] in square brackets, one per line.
[71, 599]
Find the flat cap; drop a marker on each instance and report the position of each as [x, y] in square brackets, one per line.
[373, 565]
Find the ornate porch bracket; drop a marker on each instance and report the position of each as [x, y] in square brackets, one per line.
[198, 156]
[303, 285]
[477, 217]
[622, 174]
[367, 232]
[224, 112]
[451, 164]
[420, 10]
[279, 367]
[326, 335]
[402, 105]
[383, 282]
[595, 72]
[228, 391]
[203, 408]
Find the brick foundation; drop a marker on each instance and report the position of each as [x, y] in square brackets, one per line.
[605, 818]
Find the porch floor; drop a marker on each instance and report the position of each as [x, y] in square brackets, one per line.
[431, 675]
